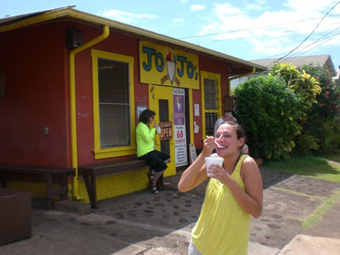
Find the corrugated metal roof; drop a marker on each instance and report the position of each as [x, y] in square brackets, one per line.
[19, 21]
[315, 60]
[11, 19]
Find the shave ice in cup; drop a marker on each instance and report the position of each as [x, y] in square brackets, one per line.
[210, 161]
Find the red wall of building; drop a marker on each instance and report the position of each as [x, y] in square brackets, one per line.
[115, 43]
[213, 66]
[33, 61]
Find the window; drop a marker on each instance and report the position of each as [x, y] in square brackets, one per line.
[211, 98]
[113, 104]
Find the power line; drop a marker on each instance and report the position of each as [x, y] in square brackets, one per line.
[277, 61]
[252, 36]
[276, 55]
[320, 39]
[323, 41]
[247, 29]
[310, 33]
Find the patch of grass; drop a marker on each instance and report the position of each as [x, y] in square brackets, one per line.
[316, 167]
[321, 210]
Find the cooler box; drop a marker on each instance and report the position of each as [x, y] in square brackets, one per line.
[15, 215]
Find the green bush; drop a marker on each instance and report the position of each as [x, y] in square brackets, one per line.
[322, 120]
[306, 144]
[293, 111]
[330, 137]
[328, 100]
[304, 85]
[268, 111]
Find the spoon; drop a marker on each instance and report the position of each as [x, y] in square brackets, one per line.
[217, 144]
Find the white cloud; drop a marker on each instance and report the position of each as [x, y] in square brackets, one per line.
[258, 5]
[184, 1]
[178, 21]
[271, 32]
[196, 7]
[314, 6]
[226, 9]
[127, 17]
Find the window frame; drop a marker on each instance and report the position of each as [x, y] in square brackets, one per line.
[217, 78]
[120, 150]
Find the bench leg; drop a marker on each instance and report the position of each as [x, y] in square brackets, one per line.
[91, 187]
[3, 179]
[64, 184]
[49, 184]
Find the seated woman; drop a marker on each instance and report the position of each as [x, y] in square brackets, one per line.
[146, 148]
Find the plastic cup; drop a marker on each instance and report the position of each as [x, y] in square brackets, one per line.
[212, 160]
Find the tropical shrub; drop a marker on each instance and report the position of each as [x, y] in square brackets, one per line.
[301, 83]
[268, 111]
[323, 118]
[328, 100]
[292, 110]
[305, 144]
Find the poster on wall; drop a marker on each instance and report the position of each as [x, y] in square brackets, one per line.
[140, 109]
[179, 127]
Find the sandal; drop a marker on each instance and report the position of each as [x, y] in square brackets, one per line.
[151, 178]
[153, 189]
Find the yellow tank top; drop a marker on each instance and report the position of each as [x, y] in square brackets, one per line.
[223, 226]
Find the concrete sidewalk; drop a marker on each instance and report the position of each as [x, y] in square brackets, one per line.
[143, 223]
[323, 238]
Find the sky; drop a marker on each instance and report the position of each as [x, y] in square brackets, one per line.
[247, 29]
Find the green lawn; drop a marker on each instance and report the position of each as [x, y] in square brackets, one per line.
[327, 169]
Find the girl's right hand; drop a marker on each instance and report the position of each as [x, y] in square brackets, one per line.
[208, 145]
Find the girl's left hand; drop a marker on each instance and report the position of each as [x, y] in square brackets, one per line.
[220, 174]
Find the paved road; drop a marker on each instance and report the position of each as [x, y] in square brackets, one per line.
[145, 224]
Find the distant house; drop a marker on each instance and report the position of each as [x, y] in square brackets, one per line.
[316, 60]
[336, 78]
[72, 86]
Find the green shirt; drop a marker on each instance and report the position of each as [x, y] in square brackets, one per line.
[145, 139]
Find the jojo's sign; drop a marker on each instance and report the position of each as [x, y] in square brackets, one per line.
[166, 66]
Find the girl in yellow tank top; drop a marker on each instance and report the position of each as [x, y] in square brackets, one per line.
[233, 194]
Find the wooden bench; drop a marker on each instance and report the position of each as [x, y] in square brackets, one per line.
[92, 171]
[46, 172]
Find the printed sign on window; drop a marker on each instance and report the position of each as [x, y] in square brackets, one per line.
[166, 130]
